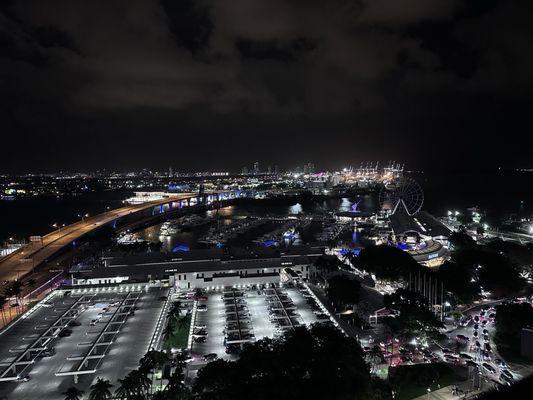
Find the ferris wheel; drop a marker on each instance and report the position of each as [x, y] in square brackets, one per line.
[405, 195]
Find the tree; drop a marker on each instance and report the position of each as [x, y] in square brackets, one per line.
[152, 360]
[415, 317]
[101, 390]
[461, 240]
[376, 356]
[387, 262]
[327, 264]
[175, 310]
[15, 290]
[135, 384]
[458, 280]
[510, 319]
[492, 270]
[343, 290]
[291, 367]
[73, 393]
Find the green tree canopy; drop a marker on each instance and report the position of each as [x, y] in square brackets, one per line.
[510, 319]
[315, 363]
[343, 290]
[387, 262]
[414, 319]
[458, 280]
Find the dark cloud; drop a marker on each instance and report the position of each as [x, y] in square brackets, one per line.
[339, 80]
[189, 22]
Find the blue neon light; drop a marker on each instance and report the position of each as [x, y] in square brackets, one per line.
[180, 248]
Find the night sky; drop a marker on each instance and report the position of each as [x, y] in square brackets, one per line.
[216, 84]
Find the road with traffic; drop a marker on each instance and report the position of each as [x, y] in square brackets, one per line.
[27, 258]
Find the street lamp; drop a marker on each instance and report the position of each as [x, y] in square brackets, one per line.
[429, 391]
[83, 216]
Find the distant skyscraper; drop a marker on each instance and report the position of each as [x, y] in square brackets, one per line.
[245, 170]
[170, 173]
[276, 169]
[256, 168]
[269, 169]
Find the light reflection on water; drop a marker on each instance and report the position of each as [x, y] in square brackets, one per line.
[227, 215]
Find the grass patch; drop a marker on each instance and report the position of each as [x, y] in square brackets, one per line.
[410, 381]
[179, 333]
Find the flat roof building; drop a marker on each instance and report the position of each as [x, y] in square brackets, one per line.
[203, 268]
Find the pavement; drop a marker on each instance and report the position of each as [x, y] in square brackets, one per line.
[214, 319]
[131, 343]
[447, 393]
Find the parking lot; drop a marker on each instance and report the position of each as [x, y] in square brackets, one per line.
[228, 319]
[105, 335]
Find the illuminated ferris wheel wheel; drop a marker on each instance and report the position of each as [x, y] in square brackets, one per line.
[405, 195]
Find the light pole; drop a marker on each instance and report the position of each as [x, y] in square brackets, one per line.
[429, 392]
[83, 216]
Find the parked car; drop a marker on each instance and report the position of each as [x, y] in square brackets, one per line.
[489, 368]
[462, 337]
[210, 356]
[505, 379]
[48, 352]
[24, 378]
[65, 332]
[507, 374]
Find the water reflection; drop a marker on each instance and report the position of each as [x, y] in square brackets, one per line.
[227, 215]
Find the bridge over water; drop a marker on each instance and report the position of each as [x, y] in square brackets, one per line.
[21, 262]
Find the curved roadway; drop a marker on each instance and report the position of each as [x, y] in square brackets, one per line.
[22, 261]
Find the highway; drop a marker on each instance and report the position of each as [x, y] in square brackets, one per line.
[24, 260]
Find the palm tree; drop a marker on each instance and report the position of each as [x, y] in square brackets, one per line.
[15, 290]
[143, 384]
[73, 393]
[167, 332]
[126, 388]
[135, 384]
[175, 310]
[100, 390]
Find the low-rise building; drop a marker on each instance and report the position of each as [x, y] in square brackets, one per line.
[203, 268]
